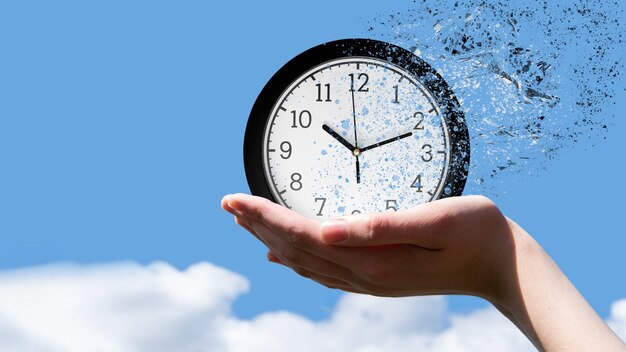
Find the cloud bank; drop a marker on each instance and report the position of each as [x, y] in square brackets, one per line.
[129, 307]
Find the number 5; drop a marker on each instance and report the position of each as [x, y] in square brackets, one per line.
[391, 204]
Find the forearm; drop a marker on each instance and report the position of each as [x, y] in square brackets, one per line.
[547, 307]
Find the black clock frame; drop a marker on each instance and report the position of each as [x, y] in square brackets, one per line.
[442, 94]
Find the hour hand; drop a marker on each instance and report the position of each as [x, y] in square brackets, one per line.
[338, 137]
[387, 141]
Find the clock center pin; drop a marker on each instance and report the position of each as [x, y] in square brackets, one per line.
[356, 152]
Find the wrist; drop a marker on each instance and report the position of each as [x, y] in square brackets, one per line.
[524, 260]
[537, 297]
[520, 249]
[481, 252]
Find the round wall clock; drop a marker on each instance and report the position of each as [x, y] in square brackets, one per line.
[356, 125]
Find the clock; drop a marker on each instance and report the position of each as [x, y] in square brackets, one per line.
[356, 125]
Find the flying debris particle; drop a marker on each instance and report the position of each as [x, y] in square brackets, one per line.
[437, 27]
[533, 78]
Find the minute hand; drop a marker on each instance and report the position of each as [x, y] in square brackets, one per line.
[387, 141]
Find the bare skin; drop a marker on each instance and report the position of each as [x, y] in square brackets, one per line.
[461, 245]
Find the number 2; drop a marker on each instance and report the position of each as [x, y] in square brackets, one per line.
[420, 118]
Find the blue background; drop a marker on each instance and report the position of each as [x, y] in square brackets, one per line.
[121, 127]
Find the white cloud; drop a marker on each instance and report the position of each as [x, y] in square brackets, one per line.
[128, 307]
[367, 324]
[617, 322]
[120, 307]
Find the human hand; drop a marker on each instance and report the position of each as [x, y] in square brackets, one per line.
[454, 245]
[460, 245]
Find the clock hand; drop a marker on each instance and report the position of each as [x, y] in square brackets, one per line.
[356, 141]
[338, 137]
[356, 150]
[358, 170]
[387, 141]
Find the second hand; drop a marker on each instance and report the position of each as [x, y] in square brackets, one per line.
[356, 151]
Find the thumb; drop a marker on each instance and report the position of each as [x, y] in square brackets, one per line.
[375, 229]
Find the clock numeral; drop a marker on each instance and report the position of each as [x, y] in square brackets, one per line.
[323, 200]
[417, 183]
[428, 153]
[319, 92]
[356, 212]
[395, 100]
[285, 147]
[420, 119]
[362, 76]
[303, 119]
[296, 181]
[391, 204]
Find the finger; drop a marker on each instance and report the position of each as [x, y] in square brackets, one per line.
[228, 208]
[274, 259]
[422, 226]
[294, 257]
[265, 211]
[324, 280]
[362, 267]
[327, 281]
[241, 222]
[297, 236]
[300, 233]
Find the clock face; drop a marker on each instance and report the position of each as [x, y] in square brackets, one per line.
[356, 133]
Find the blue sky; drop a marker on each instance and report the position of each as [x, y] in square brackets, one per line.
[121, 127]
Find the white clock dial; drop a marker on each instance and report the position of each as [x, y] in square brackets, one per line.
[321, 164]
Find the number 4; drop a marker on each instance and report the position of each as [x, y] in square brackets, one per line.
[417, 183]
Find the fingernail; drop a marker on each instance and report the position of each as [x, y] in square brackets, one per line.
[225, 199]
[334, 231]
[274, 259]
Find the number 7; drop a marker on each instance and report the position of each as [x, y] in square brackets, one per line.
[319, 213]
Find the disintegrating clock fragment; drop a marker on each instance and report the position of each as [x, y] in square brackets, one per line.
[533, 78]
